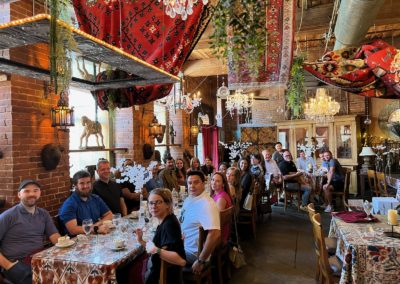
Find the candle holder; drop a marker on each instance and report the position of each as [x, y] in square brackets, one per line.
[392, 234]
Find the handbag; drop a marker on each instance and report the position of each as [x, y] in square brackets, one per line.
[248, 202]
[236, 255]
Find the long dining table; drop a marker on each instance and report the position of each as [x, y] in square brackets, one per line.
[91, 260]
[368, 255]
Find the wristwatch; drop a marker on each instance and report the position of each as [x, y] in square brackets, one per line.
[95, 229]
[201, 261]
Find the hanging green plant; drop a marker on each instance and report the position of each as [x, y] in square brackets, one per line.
[239, 32]
[62, 43]
[295, 95]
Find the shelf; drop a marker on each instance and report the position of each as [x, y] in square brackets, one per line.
[99, 150]
[168, 145]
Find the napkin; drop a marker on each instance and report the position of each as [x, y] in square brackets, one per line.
[354, 217]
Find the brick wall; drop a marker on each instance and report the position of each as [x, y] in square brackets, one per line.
[26, 125]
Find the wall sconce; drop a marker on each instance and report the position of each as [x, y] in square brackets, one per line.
[62, 116]
[194, 131]
[156, 130]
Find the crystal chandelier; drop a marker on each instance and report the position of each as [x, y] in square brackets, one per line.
[240, 102]
[180, 7]
[322, 108]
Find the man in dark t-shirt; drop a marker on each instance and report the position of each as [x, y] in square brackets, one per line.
[109, 190]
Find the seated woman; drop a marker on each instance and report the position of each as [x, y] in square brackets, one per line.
[221, 196]
[233, 177]
[246, 180]
[223, 167]
[180, 172]
[167, 243]
[194, 165]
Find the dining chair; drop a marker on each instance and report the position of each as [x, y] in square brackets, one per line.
[290, 190]
[220, 256]
[354, 205]
[249, 217]
[163, 272]
[188, 275]
[381, 184]
[330, 267]
[372, 182]
[344, 194]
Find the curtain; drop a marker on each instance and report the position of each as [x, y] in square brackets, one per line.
[215, 147]
[206, 132]
[141, 28]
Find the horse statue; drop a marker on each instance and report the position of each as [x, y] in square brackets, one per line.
[91, 128]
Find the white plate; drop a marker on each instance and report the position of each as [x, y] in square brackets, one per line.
[117, 249]
[68, 244]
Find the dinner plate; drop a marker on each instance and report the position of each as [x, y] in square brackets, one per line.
[67, 244]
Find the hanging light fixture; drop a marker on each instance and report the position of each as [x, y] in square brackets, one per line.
[239, 102]
[180, 7]
[322, 108]
[156, 130]
[62, 116]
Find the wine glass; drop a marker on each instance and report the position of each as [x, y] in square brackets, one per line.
[87, 225]
[367, 209]
[116, 219]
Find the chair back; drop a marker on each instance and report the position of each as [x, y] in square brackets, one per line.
[163, 272]
[311, 210]
[322, 253]
[225, 216]
[372, 182]
[381, 184]
[202, 240]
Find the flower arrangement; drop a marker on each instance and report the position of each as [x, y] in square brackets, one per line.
[236, 148]
[136, 174]
[309, 150]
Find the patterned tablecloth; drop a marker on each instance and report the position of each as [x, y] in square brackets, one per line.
[394, 181]
[368, 255]
[91, 261]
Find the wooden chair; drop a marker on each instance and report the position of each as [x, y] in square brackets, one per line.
[381, 184]
[247, 217]
[264, 201]
[163, 272]
[354, 205]
[329, 267]
[295, 190]
[221, 251]
[344, 194]
[372, 182]
[188, 275]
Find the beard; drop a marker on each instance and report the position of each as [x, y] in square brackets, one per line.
[84, 193]
[29, 202]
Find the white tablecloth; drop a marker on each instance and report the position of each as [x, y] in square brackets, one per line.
[381, 205]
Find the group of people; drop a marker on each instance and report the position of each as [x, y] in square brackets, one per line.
[23, 226]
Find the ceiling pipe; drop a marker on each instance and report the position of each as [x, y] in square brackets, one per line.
[354, 19]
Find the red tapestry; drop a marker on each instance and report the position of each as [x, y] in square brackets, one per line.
[372, 70]
[280, 27]
[142, 29]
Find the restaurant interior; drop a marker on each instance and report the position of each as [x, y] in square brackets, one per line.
[88, 81]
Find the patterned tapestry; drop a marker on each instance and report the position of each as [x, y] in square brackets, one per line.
[372, 70]
[280, 27]
[142, 29]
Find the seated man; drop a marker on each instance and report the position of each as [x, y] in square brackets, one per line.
[335, 178]
[199, 209]
[306, 164]
[290, 175]
[109, 190]
[22, 229]
[168, 175]
[81, 205]
[207, 168]
[155, 181]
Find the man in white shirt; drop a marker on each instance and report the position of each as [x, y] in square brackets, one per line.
[306, 164]
[198, 210]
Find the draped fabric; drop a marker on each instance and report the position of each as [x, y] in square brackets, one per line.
[142, 29]
[207, 142]
[280, 25]
[215, 147]
[372, 70]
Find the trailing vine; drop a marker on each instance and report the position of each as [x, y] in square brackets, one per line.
[295, 94]
[239, 32]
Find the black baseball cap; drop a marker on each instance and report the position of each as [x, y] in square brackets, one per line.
[26, 182]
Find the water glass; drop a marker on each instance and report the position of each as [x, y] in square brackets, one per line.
[116, 219]
[87, 225]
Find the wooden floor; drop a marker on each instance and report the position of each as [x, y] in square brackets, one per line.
[283, 251]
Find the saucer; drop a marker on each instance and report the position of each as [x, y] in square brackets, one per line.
[117, 248]
[67, 244]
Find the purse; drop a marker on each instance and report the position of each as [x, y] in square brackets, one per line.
[248, 202]
[236, 256]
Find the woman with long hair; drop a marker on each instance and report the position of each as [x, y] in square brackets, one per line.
[180, 171]
[167, 243]
[246, 179]
[194, 165]
[233, 177]
[221, 196]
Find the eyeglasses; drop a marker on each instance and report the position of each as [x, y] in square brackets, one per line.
[156, 203]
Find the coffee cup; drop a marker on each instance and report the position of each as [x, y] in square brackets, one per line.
[135, 214]
[63, 240]
[119, 243]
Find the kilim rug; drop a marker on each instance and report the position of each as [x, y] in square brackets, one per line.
[142, 29]
[280, 27]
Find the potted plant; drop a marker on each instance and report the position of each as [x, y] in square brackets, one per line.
[295, 95]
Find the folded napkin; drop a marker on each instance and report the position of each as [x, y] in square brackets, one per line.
[354, 217]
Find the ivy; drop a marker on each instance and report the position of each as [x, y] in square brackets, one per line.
[295, 94]
[239, 32]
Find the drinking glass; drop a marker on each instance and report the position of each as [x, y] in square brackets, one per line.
[87, 225]
[367, 209]
[116, 219]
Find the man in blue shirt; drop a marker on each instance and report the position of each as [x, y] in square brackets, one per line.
[22, 229]
[335, 178]
[82, 204]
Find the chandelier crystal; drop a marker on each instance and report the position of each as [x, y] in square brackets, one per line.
[239, 102]
[180, 7]
[322, 108]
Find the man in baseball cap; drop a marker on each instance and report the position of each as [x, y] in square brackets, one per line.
[22, 228]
